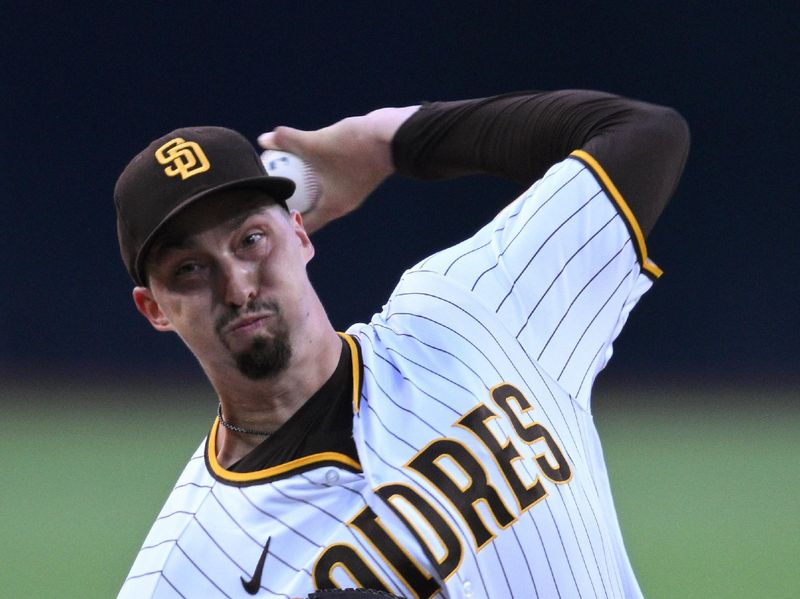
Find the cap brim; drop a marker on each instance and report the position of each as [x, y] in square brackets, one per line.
[277, 188]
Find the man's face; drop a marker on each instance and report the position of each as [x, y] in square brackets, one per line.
[228, 275]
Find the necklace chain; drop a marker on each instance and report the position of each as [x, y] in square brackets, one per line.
[238, 429]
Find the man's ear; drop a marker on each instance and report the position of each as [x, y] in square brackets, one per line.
[299, 230]
[149, 308]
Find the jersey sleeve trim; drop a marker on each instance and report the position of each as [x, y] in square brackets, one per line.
[648, 266]
[289, 468]
[356, 365]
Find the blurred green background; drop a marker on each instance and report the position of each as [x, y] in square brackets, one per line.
[706, 482]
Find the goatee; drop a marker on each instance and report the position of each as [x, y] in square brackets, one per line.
[266, 357]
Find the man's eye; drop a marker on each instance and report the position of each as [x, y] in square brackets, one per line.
[252, 239]
[187, 268]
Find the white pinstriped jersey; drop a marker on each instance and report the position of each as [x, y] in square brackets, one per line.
[479, 473]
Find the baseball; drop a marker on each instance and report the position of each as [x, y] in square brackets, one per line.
[307, 189]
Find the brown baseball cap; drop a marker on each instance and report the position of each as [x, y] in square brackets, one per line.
[176, 170]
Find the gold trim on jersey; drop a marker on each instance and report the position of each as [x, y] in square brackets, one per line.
[648, 265]
[356, 362]
[304, 463]
[331, 457]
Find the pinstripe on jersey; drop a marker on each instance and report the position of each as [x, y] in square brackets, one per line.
[480, 474]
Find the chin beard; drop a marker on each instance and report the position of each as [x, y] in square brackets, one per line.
[265, 358]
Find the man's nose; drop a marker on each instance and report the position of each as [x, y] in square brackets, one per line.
[239, 284]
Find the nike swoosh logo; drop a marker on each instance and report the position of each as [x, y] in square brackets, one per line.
[254, 584]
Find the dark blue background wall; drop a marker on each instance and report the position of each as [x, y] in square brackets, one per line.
[84, 89]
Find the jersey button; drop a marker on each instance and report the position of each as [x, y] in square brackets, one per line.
[331, 477]
[467, 588]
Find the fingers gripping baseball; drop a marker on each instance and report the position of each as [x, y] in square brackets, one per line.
[307, 189]
[350, 158]
[345, 164]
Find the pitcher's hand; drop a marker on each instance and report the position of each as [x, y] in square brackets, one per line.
[351, 158]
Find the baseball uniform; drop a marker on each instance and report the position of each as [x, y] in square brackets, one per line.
[453, 451]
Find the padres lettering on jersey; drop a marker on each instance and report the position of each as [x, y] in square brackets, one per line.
[480, 473]
[464, 495]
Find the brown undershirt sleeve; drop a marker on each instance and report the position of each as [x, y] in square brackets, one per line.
[643, 147]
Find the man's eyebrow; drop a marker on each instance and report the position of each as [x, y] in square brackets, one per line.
[181, 242]
[169, 244]
[239, 219]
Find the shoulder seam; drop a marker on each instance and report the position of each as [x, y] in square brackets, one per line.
[648, 266]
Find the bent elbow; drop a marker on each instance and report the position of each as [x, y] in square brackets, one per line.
[669, 135]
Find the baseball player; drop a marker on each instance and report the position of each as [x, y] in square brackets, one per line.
[447, 447]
